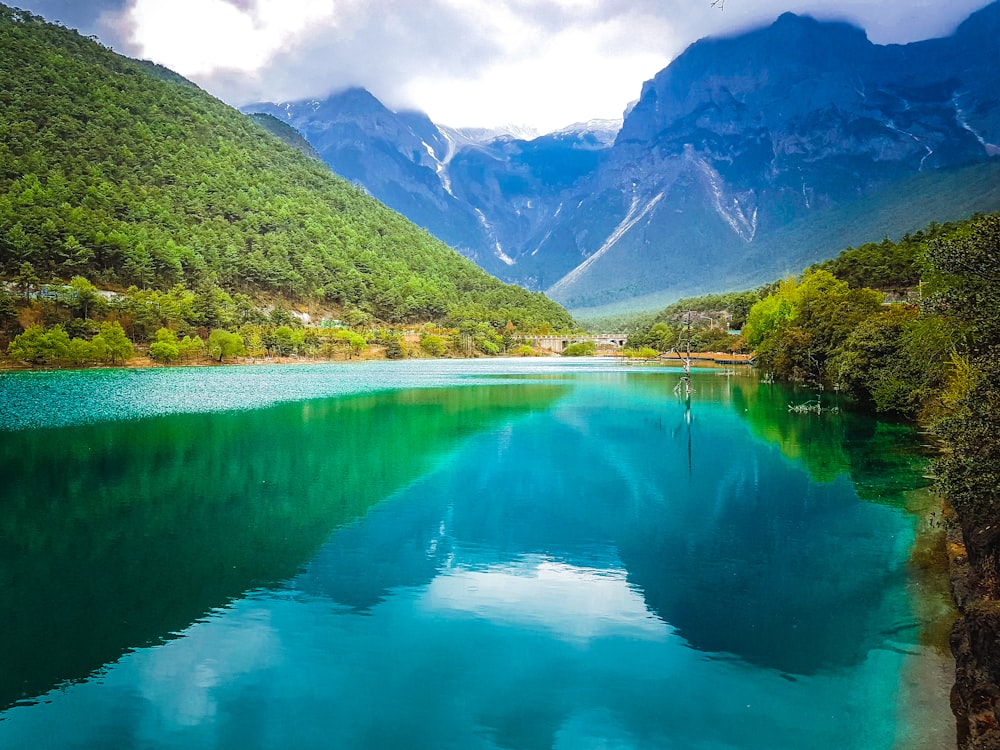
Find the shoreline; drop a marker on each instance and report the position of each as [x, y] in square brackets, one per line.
[927, 678]
[701, 360]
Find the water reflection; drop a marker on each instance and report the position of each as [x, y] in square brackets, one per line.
[570, 602]
[117, 535]
[586, 567]
[739, 551]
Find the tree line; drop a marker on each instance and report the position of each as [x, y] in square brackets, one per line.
[934, 355]
[76, 324]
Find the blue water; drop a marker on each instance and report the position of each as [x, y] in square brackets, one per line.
[450, 555]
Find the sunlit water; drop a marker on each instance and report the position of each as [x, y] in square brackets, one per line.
[462, 555]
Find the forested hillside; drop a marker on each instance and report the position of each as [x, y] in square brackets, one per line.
[127, 175]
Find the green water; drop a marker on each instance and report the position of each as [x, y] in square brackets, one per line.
[452, 555]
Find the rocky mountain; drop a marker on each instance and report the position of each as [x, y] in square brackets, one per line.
[485, 191]
[746, 158]
[752, 156]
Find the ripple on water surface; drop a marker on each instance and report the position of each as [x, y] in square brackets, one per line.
[59, 398]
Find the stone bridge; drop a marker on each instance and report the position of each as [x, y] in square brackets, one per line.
[558, 343]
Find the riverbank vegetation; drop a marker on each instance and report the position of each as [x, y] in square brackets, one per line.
[77, 325]
[697, 324]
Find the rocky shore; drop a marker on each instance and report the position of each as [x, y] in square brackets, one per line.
[975, 644]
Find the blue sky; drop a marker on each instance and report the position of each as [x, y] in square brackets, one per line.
[542, 63]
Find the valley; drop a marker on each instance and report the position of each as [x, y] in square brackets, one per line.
[747, 158]
[490, 548]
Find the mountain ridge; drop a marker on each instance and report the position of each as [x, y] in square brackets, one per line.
[728, 149]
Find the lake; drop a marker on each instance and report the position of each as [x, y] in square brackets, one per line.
[458, 554]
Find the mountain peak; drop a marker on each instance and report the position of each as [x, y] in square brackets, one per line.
[788, 18]
[356, 94]
[602, 131]
[736, 76]
[791, 24]
[487, 134]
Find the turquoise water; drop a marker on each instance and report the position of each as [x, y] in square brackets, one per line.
[450, 555]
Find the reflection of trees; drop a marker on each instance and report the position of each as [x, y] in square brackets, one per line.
[880, 457]
[116, 535]
[147, 525]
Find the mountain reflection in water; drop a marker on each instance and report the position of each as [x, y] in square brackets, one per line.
[538, 561]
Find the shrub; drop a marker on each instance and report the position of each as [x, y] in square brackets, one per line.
[580, 349]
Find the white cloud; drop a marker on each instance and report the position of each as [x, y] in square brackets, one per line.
[181, 679]
[544, 63]
[197, 37]
[548, 80]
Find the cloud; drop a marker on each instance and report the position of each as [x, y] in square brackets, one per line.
[243, 35]
[381, 48]
[103, 18]
[465, 62]
[472, 62]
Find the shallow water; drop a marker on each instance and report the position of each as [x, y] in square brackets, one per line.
[499, 554]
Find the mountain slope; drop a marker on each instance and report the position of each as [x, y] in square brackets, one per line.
[771, 149]
[397, 158]
[120, 172]
[486, 192]
[746, 157]
[287, 133]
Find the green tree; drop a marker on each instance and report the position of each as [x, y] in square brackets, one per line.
[163, 351]
[190, 347]
[111, 344]
[86, 298]
[8, 313]
[395, 348]
[433, 345]
[222, 344]
[580, 349]
[800, 325]
[26, 280]
[79, 352]
[356, 344]
[963, 281]
[165, 348]
[280, 341]
[38, 346]
[771, 314]
[662, 337]
[969, 472]
[898, 360]
[255, 344]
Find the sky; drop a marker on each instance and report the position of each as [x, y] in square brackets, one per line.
[466, 63]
